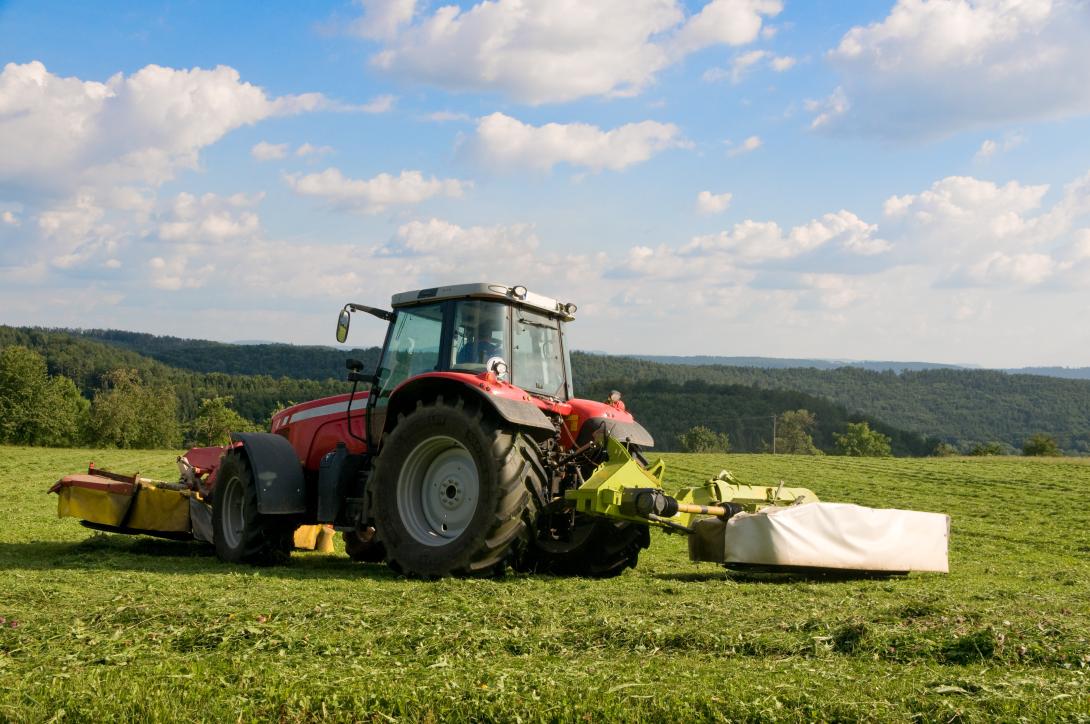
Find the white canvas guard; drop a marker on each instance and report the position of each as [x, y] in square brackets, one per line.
[839, 536]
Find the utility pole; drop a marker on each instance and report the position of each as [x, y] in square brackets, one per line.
[773, 434]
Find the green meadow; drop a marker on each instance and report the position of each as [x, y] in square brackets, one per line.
[106, 627]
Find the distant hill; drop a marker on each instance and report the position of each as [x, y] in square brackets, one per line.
[1071, 373]
[916, 407]
[244, 358]
[86, 360]
[789, 363]
[960, 406]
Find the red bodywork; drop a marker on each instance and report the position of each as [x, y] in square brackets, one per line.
[314, 428]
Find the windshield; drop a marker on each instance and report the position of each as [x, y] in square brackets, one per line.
[538, 364]
[413, 347]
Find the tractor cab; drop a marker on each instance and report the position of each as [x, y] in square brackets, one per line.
[474, 329]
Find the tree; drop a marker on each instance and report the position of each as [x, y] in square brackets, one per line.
[71, 412]
[703, 440]
[858, 440]
[944, 450]
[127, 413]
[793, 429]
[216, 420]
[1042, 445]
[986, 448]
[36, 409]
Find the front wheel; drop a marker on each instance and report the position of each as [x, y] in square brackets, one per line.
[451, 491]
[241, 533]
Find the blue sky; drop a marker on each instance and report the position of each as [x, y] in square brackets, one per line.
[869, 180]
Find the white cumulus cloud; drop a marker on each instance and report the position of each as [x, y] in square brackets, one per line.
[210, 218]
[709, 203]
[265, 151]
[546, 51]
[505, 141]
[933, 68]
[378, 104]
[308, 149]
[376, 194]
[758, 241]
[59, 132]
[743, 63]
[750, 144]
[451, 241]
[382, 18]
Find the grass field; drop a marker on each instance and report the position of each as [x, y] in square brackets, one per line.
[100, 627]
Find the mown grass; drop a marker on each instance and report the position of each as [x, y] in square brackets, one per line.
[102, 627]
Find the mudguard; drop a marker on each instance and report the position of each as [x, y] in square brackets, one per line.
[630, 432]
[279, 475]
[507, 401]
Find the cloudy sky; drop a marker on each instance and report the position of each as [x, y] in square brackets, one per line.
[868, 180]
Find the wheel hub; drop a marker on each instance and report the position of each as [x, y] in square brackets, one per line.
[438, 490]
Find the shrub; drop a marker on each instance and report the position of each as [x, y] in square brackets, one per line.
[858, 440]
[1041, 445]
[702, 439]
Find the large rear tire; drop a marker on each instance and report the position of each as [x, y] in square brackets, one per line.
[451, 490]
[241, 533]
[584, 546]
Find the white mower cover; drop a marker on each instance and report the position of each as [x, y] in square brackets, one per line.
[839, 536]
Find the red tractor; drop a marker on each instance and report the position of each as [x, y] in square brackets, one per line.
[455, 458]
[469, 452]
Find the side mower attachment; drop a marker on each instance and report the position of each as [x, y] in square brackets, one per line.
[766, 527]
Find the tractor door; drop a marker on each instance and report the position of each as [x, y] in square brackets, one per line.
[412, 348]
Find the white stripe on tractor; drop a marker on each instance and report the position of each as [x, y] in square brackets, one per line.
[357, 404]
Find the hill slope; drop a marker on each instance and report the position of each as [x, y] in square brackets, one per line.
[200, 355]
[963, 406]
[85, 361]
[1071, 373]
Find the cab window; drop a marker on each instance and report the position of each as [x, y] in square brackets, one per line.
[479, 335]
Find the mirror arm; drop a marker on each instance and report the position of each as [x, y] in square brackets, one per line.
[380, 313]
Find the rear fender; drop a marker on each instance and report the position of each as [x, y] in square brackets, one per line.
[508, 407]
[589, 417]
[278, 473]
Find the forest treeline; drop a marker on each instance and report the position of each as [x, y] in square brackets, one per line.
[964, 408]
[300, 362]
[88, 363]
[916, 409]
[669, 409]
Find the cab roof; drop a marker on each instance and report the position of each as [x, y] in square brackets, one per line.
[516, 295]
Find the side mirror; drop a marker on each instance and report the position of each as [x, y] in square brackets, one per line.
[342, 325]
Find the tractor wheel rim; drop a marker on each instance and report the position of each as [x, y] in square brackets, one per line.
[438, 490]
[234, 514]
